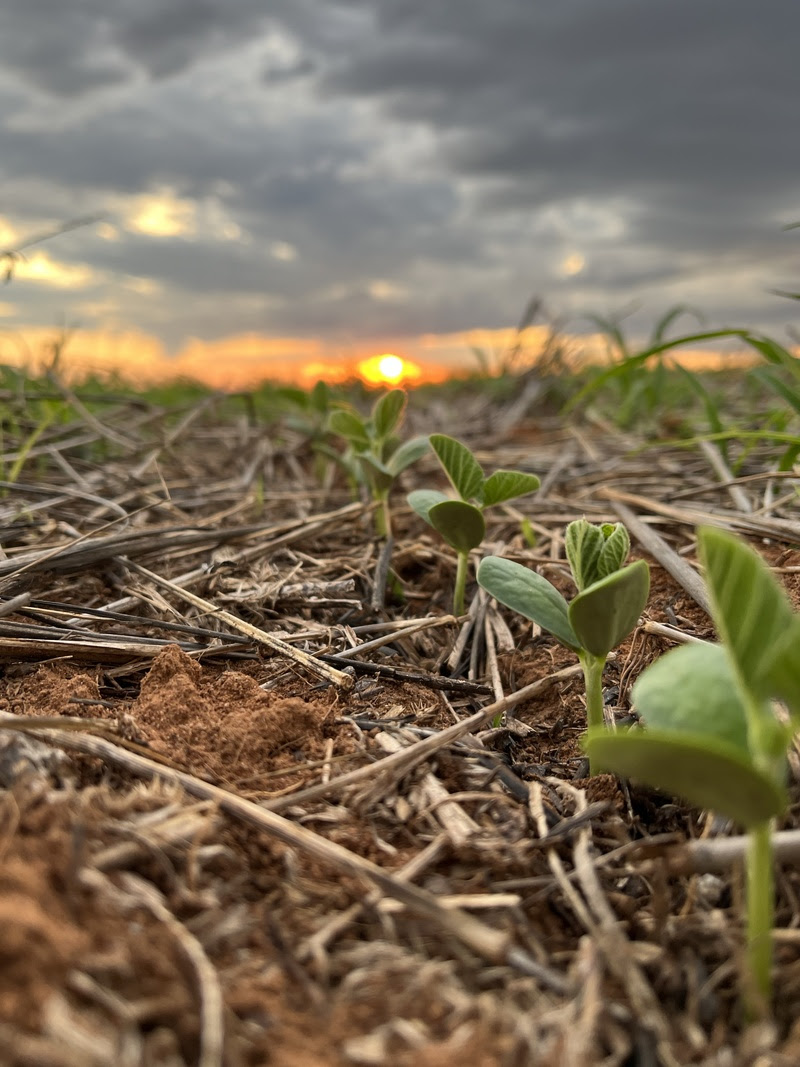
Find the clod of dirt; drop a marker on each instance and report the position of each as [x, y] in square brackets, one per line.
[224, 725]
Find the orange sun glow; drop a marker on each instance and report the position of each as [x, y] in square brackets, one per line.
[387, 369]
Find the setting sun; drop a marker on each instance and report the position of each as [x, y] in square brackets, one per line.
[391, 368]
[388, 368]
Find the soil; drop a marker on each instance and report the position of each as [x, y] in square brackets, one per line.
[146, 919]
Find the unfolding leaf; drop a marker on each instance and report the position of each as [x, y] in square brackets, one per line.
[530, 594]
[349, 425]
[422, 500]
[506, 485]
[461, 524]
[583, 542]
[705, 771]
[603, 615]
[693, 689]
[460, 465]
[614, 551]
[406, 454]
[388, 411]
[320, 397]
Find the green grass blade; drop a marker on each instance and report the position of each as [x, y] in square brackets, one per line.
[710, 405]
[773, 352]
[459, 464]
[624, 369]
[773, 382]
[671, 316]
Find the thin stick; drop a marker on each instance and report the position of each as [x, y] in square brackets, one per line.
[324, 670]
[399, 630]
[405, 761]
[667, 557]
[723, 472]
[490, 944]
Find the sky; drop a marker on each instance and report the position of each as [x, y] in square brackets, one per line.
[289, 188]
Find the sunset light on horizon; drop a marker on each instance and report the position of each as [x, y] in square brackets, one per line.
[244, 361]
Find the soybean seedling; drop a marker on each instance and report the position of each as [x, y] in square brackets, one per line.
[610, 598]
[375, 452]
[461, 522]
[712, 735]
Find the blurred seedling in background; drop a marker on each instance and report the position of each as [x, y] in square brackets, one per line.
[461, 522]
[610, 599]
[309, 414]
[375, 454]
[712, 735]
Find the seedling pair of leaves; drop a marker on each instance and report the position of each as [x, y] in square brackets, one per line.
[610, 599]
[461, 522]
[375, 453]
[712, 735]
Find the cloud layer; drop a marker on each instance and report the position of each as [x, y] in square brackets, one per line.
[365, 168]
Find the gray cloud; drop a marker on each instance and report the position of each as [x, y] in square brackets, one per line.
[427, 164]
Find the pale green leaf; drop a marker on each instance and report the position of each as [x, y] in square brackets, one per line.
[616, 546]
[784, 669]
[388, 411]
[349, 425]
[604, 614]
[693, 689]
[506, 485]
[320, 397]
[751, 612]
[422, 500]
[705, 771]
[527, 592]
[583, 542]
[461, 524]
[459, 464]
[406, 454]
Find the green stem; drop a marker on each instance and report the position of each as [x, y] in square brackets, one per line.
[459, 594]
[593, 679]
[760, 918]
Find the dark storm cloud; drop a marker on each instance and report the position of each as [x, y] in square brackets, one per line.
[456, 152]
[677, 99]
[71, 48]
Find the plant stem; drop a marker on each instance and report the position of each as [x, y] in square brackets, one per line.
[383, 516]
[760, 917]
[459, 594]
[593, 679]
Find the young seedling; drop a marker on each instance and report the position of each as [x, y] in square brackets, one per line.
[609, 602]
[375, 453]
[461, 522]
[712, 735]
